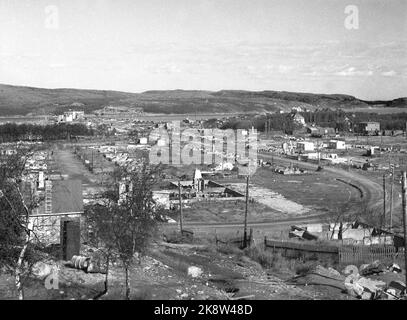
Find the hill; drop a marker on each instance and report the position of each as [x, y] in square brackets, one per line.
[18, 100]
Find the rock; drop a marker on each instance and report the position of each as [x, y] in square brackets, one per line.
[334, 272]
[178, 291]
[330, 272]
[354, 289]
[194, 272]
[42, 270]
[184, 295]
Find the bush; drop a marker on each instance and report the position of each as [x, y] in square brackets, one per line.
[276, 261]
[303, 268]
[265, 258]
[229, 249]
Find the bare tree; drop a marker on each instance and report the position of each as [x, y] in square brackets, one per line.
[345, 215]
[127, 219]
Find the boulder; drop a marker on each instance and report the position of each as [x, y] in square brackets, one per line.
[329, 273]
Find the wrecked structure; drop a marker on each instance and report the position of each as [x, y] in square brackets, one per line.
[195, 190]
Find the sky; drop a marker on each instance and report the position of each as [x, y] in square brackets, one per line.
[138, 45]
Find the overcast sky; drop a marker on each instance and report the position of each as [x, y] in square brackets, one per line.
[137, 45]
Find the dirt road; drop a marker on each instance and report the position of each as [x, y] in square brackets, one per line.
[371, 191]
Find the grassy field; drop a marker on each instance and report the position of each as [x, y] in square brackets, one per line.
[227, 211]
[318, 191]
[275, 197]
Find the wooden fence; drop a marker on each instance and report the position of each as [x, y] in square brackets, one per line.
[367, 254]
[346, 254]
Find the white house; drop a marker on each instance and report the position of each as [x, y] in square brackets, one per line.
[336, 144]
[305, 146]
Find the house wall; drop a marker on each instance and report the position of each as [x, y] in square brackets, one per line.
[47, 228]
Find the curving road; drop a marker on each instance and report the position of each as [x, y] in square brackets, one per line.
[372, 194]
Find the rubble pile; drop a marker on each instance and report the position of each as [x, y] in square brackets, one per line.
[368, 282]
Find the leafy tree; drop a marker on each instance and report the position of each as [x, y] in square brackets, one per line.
[126, 220]
[18, 240]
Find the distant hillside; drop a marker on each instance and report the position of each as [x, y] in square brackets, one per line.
[16, 100]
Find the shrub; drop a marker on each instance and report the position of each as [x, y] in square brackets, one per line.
[229, 249]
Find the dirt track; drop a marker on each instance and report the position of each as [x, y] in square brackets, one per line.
[372, 194]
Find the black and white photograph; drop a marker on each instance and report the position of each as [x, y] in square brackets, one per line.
[203, 155]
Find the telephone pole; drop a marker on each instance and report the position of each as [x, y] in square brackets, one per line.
[384, 201]
[403, 191]
[180, 206]
[245, 214]
[391, 198]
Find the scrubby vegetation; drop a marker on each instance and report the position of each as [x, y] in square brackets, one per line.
[12, 132]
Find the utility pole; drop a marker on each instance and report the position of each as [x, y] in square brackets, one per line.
[384, 200]
[403, 190]
[245, 214]
[92, 160]
[180, 207]
[391, 199]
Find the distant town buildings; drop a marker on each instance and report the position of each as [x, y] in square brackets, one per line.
[368, 127]
[336, 144]
[305, 146]
[70, 116]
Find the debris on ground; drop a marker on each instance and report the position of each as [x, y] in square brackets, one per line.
[398, 286]
[194, 272]
[321, 276]
[395, 268]
[373, 268]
